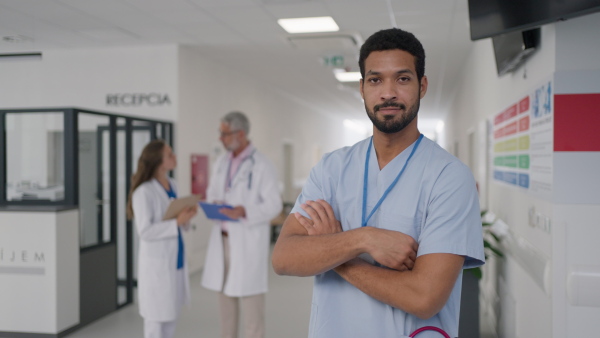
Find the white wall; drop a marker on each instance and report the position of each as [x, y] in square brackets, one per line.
[39, 273]
[201, 92]
[578, 68]
[526, 308]
[209, 90]
[83, 78]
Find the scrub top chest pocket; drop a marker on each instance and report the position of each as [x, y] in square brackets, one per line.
[393, 220]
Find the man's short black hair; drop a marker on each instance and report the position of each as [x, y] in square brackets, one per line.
[393, 38]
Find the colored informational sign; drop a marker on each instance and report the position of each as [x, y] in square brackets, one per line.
[522, 142]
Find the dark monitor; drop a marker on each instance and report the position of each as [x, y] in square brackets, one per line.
[512, 49]
[493, 17]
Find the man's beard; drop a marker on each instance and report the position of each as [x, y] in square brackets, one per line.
[233, 145]
[388, 125]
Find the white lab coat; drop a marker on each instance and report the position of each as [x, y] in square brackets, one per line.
[157, 260]
[255, 187]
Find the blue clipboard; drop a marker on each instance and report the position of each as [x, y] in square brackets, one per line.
[212, 211]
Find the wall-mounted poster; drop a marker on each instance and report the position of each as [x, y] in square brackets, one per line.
[199, 174]
[522, 139]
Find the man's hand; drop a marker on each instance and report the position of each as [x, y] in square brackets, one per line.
[322, 218]
[234, 213]
[392, 249]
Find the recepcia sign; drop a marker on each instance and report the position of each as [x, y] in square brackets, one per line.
[137, 99]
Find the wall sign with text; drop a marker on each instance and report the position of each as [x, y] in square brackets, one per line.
[138, 99]
[522, 142]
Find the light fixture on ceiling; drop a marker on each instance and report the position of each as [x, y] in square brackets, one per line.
[344, 76]
[16, 38]
[309, 25]
[23, 55]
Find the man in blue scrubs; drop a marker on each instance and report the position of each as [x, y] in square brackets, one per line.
[385, 226]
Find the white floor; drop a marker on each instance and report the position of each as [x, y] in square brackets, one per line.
[288, 313]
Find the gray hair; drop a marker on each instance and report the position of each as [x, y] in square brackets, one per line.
[237, 121]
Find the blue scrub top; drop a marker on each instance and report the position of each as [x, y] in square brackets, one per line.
[435, 201]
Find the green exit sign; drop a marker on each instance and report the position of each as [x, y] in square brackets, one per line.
[334, 61]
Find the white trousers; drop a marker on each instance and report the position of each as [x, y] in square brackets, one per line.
[154, 329]
[252, 308]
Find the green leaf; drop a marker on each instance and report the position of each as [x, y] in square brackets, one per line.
[495, 237]
[476, 271]
[496, 251]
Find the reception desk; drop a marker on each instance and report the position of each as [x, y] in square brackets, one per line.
[39, 271]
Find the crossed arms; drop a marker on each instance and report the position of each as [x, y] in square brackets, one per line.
[420, 286]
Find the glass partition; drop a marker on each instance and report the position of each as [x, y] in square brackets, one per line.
[94, 199]
[76, 158]
[35, 147]
[123, 255]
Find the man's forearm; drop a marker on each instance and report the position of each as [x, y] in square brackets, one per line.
[422, 292]
[297, 254]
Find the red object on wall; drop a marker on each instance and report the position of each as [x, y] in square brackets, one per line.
[510, 128]
[199, 174]
[524, 123]
[524, 105]
[576, 122]
[506, 115]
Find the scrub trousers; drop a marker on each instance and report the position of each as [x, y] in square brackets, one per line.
[156, 329]
[252, 308]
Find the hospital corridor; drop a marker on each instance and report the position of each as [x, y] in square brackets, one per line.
[288, 311]
[299, 168]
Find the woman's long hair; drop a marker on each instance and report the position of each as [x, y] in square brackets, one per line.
[149, 161]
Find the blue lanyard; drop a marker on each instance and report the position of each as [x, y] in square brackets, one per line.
[180, 257]
[171, 193]
[228, 181]
[366, 181]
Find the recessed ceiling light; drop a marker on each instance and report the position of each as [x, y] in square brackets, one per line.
[344, 76]
[309, 25]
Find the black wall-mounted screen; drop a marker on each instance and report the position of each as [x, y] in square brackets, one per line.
[493, 17]
[512, 49]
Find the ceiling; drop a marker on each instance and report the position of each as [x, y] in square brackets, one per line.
[244, 35]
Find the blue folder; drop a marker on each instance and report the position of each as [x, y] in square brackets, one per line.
[212, 211]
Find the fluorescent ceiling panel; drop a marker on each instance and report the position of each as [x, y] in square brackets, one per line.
[309, 25]
[348, 76]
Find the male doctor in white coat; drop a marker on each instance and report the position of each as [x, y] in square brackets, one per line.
[238, 252]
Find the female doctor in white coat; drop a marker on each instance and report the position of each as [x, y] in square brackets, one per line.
[237, 259]
[163, 285]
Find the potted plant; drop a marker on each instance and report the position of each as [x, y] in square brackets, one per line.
[469, 307]
[488, 246]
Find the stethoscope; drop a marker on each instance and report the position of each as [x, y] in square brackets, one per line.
[430, 328]
[229, 180]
